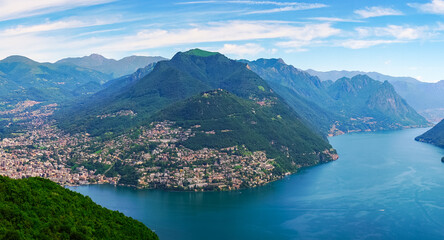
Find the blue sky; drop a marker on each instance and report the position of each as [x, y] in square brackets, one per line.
[399, 38]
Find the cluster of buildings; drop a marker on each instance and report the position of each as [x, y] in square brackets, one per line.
[155, 152]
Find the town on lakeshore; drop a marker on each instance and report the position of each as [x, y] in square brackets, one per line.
[153, 153]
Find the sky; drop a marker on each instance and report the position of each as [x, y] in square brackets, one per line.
[397, 38]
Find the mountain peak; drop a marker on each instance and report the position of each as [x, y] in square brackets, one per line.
[200, 53]
[18, 58]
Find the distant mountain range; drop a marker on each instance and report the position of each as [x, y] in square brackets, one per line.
[114, 68]
[426, 98]
[434, 136]
[349, 104]
[22, 78]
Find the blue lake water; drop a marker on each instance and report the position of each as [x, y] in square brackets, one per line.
[384, 185]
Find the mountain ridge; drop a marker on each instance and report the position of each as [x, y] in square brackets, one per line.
[115, 68]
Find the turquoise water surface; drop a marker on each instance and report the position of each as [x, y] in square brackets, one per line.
[384, 186]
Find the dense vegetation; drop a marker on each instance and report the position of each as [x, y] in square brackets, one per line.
[36, 208]
[275, 129]
[434, 136]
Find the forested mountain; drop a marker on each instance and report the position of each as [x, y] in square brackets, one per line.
[186, 74]
[434, 136]
[426, 98]
[37, 208]
[237, 121]
[355, 104]
[24, 79]
[198, 104]
[114, 68]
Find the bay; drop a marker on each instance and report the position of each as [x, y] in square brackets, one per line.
[385, 185]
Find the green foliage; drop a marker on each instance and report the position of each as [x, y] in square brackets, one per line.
[98, 166]
[128, 174]
[200, 53]
[37, 208]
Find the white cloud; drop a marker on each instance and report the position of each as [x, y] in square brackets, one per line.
[241, 50]
[331, 19]
[250, 3]
[435, 6]
[223, 32]
[57, 25]
[358, 44]
[395, 31]
[37, 44]
[369, 12]
[14, 9]
[302, 6]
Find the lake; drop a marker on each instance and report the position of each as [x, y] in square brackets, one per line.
[384, 185]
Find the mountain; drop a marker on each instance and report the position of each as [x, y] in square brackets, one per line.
[24, 79]
[300, 90]
[236, 121]
[114, 68]
[334, 75]
[426, 98]
[199, 115]
[376, 103]
[36, 208]
[434, 136]
[349, 104]
[186, 74]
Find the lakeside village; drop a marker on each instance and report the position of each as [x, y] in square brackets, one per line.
[150, 157]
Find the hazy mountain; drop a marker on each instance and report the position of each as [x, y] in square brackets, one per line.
[115, 68]
[434, 136]
[36, 208]
[334, 75]
[355, 104]
[426, 98]
[22, 78]
[376, 103]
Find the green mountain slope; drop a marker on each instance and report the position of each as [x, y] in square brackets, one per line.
[36, 208]
[300, 90]
[186, 74]
[434, 136]
[24, 79]
[272, 128]
[114, 68]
